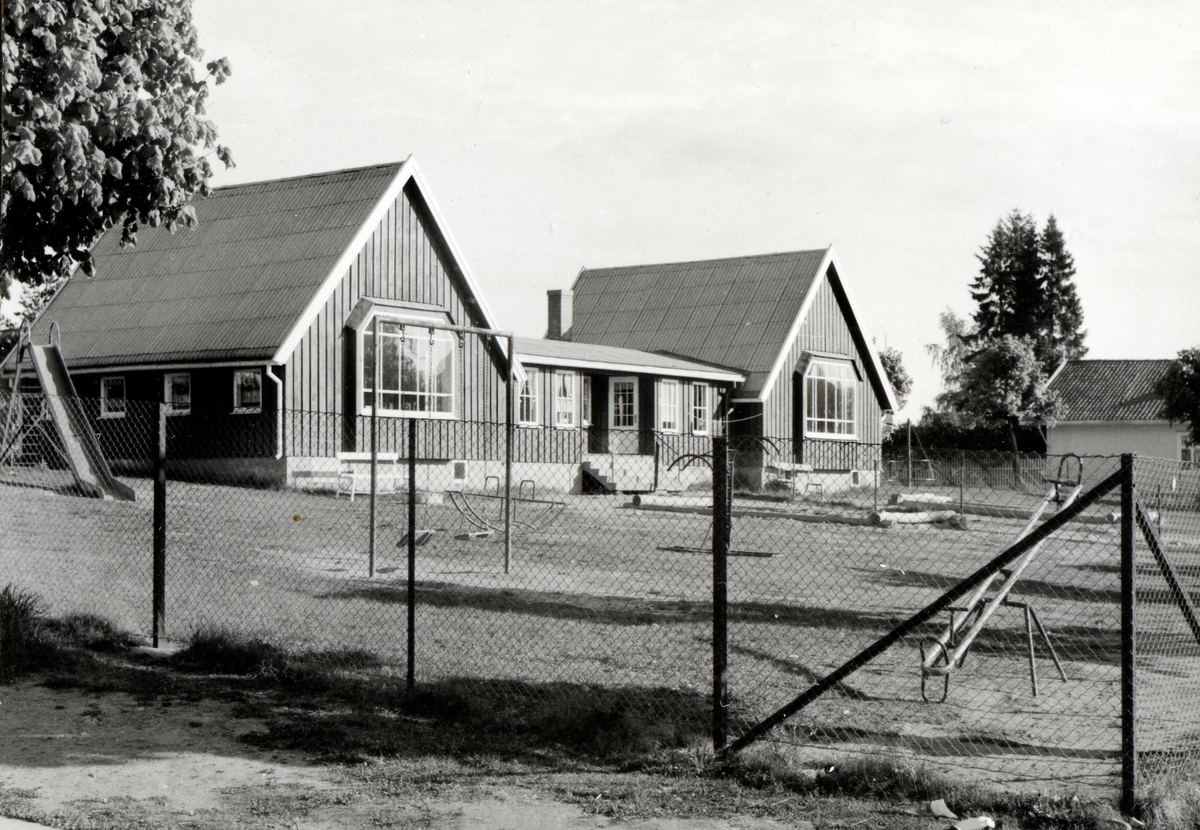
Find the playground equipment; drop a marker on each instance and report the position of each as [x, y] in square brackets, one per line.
[476, 509]
[979, 608]
[58, 404]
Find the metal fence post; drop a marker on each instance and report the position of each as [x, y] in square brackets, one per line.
[412, 551]
[508, 462]
[1128, 644]
[159, 601]
[722, 531]
[377, 373]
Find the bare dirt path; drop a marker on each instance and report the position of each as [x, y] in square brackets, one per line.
[75, 758]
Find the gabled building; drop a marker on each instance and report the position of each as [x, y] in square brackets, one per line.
[815, 394]
[257, 330]
[1110, 407]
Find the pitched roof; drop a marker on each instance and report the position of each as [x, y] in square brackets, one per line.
[615, 359]
[739, 312]
[1110, 390]
[237, 286]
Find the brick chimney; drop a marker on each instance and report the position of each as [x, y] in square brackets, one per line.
[559, 304]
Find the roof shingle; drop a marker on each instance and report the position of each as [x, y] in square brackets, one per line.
[231, 288]
[1110, 390]
[756, 298]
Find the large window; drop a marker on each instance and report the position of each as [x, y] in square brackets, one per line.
[564, 399]
[829, 404]
[416, 372]
[668, 405]
[247, 391]
[701, 409]
[112, 397]
[527, 403]
[177, 392]
[624, 403]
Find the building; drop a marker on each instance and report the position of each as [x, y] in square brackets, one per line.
[1110, 407]
[816, 398]
[258, 330]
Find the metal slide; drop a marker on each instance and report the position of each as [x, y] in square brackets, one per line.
[82, 450]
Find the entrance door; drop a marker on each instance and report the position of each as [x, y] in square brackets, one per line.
[623, 416]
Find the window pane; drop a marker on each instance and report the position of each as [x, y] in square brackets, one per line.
[248, 391]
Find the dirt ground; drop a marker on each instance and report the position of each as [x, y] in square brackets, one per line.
[73, 758]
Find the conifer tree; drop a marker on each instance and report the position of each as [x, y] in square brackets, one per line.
[1060, 332]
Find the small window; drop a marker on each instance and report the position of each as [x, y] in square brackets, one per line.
[112, 397]
[177, 392]
[668, 405]
[1189, 451]
[829, 399]
[587, 402]
[527, 405]
[247, 391]
[624, 403]
[701, 409]
[564, 399]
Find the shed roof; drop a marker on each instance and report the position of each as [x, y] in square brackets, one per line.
[241, 285]
[1110, 390]
[616, 359]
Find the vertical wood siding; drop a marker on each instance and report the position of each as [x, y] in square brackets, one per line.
[824, 329]
[404, 260]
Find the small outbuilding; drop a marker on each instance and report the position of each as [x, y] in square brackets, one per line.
[1110, 407]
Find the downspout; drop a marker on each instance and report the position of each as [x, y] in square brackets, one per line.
[278, 410]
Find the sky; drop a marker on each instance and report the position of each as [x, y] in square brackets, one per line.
[557, 135]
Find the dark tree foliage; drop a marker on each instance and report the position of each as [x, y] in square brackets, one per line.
[1060, 333]
[1180, 391]
[893, 366]
[1024, 288]
[103, 125]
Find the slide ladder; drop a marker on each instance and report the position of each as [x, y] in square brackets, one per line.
[82, 450]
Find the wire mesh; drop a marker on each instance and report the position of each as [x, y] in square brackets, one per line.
[604, 591]
[827, 561]
[1167, 575]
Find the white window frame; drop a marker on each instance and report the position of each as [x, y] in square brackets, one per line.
[564, 400]
[239, 408]
[701, 409]
[1189, 452]
[586, 394]
[529, 414]
[106, 401]
[669, 405]
[168, 390]
[821, 379]
[614, 420]
[414, 330]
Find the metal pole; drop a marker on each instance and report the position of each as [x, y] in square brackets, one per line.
[1128, 642]
[508, 439]
[962, 474]
[412, 550]
[722, 532]
[908, 479]
[377, 373]
[159, 602]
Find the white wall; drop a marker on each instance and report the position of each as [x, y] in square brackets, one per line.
[1157, 440]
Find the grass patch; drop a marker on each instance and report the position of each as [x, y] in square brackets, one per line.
[24, 643]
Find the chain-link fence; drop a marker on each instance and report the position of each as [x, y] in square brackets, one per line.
[542, 571]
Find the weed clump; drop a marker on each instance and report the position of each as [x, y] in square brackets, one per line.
[224, 652]
[24, 642]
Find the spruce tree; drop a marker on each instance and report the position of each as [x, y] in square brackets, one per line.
[1060, 334]
[1007, 287]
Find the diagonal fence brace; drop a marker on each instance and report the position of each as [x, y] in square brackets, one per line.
[1178, 592]
[923, 616]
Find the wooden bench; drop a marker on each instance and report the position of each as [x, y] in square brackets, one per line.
[351, 463]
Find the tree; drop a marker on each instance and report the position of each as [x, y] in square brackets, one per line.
[1003, 383]
[893, 367]
[102, 125]
[1060, 325]
[1180, 391]
[1024, 288]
